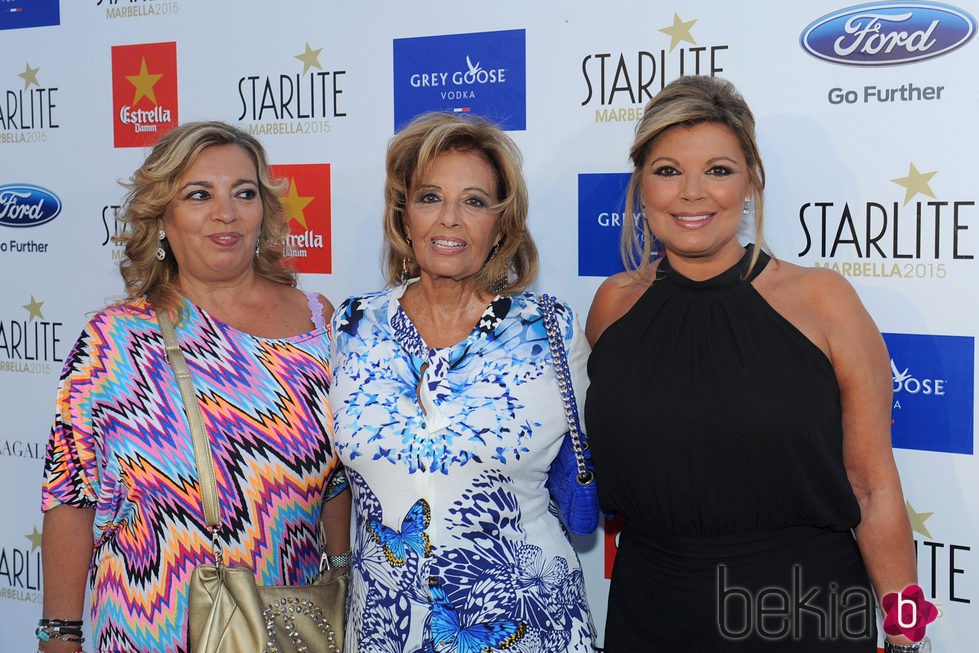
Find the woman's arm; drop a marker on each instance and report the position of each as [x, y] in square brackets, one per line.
[336, 525]
[337, 505]
[66, 556]
[862, 367]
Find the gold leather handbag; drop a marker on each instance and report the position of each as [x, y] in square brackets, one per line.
[229, 612]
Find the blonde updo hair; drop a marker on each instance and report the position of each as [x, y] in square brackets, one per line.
[156, 182]
[413, 150]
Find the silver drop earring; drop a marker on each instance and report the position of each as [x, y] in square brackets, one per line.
[160, 252]
[747, 206]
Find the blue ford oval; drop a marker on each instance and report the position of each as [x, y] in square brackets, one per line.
[888, 33]
[26, 205]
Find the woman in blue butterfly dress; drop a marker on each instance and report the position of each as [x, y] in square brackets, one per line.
[448, 413]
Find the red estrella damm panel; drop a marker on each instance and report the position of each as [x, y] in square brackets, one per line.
[308, 208]
[144, 93]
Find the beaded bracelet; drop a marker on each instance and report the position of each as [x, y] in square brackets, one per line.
[65, 630]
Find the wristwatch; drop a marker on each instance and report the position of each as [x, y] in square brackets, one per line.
[923, 646]
[342, 560]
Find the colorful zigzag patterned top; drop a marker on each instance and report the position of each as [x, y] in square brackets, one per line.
[120, 444]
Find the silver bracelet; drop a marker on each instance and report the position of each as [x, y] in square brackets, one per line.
[342, 560]
[922, 646]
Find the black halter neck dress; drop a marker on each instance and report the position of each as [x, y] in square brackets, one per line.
[716, 432]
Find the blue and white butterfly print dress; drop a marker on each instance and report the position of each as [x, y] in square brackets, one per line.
[447, 450]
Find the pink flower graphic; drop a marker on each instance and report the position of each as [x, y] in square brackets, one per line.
[908, 612]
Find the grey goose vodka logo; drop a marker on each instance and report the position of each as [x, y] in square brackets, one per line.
[888, 33]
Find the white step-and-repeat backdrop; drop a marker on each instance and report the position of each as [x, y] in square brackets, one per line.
[868, 119]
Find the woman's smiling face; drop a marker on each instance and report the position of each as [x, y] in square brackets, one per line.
[694, 185]
[451, 217]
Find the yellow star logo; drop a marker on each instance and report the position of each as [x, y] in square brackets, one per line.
[294, 204]
[29, 76]
[916, 182]
[34, 308]
[144, 83]
[918, 520]
[679, 31]
[310, 58]
[35, 539]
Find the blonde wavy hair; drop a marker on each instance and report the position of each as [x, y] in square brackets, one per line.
[413, 150]
[155, 184]
[686, 102]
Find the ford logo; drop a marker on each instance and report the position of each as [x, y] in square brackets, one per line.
[888, 33]
[25, 205]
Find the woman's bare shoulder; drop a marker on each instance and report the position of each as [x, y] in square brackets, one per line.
[820, 302]
[613, 299]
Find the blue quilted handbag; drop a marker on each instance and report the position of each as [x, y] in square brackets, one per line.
[571, 478]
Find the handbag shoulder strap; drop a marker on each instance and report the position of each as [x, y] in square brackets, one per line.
[560, 356]
[202, 448]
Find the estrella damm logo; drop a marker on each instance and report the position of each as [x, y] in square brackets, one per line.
[308, 208]
[144, 92]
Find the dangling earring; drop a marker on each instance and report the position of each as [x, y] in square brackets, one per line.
[500, 284]
[160, 252]
[404, 270]
[258, 247]
[747, 206]
[404, 264]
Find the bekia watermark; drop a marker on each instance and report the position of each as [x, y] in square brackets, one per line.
[827, 613]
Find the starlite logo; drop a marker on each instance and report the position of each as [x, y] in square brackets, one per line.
[26, 205]
[619, 83]
[483, 73]
[32, 345]
[888, 33]
[913, 238]
[29, 109]
[300, 102]
[20, 568]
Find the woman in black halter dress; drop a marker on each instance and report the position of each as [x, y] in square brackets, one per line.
[739, 414]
